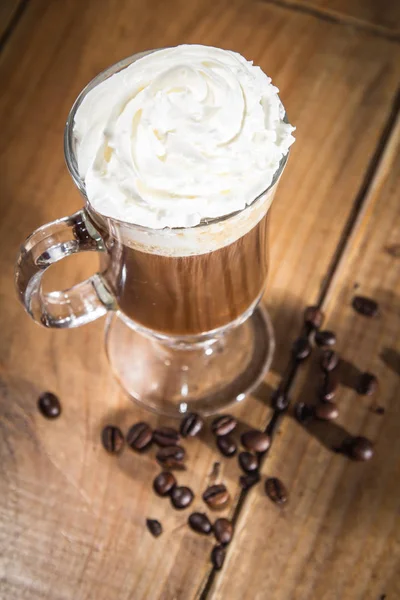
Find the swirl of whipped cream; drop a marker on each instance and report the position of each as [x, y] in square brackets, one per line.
[180, 135]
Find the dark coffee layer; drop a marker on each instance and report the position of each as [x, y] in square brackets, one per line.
[191, 294]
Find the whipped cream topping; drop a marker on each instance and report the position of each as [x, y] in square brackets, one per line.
[180, 135]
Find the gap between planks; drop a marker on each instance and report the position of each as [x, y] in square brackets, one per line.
[333, 16]
[374, 177]
[10, 27]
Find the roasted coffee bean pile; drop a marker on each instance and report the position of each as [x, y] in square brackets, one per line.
[326, 409]
[171, 456]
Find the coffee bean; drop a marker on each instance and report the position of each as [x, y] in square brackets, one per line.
[329, 360]
[223, 425]
[248, 462]
[280, 401]
[326, 411]
[49, 405]
[223, 531]
[171, 457]
[275, 490]
[112, 439]
[365, 306]
[216, 496]
[218, 557]
[304, 413]
[191, 425]
[181, 497]
[313, 317]
[329, 387]
[358, 448]
[226, 445]
[164, 483]
[301, 348]
[165, 436]
[367, 384]
[139, 437]
[255, 440]
[247, 481]
[200, 522]
[325, 338]
[154, 527]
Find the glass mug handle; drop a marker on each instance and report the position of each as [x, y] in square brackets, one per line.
[82, 303]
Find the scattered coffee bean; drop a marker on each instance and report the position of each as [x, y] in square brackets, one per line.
[367, 384]
[218, 557]
[358, 448]
[164, 483]
[139, 437]
[49, 405]
[223, 531]
[216, 496]
[329, 360]
[301, 348]
[181, 497]
[247, 481]
[171, 457]
[378, 410]
[365, 306]
[275, 490]
[325, 338]
[255, 440]
[329, 387]
[200, 522]
[154, 527]
[223, 425]
[304, 413]
[280, 401]
[191, 425]
[227, 445]
[248, 462]
[112, 439]
[165, 436]
[313, 317]
[326, 411]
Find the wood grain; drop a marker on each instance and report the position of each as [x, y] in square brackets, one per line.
[383, 17]
[339, 535]
[8, 8]
[72, 518]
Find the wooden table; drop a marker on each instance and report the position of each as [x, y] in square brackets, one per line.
[71, 517]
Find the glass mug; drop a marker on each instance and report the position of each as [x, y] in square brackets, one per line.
[185, 330]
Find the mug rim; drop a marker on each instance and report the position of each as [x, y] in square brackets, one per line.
[72, 163]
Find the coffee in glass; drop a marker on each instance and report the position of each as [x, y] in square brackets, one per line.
[177, 153]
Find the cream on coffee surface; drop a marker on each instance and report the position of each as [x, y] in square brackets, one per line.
[180, 135]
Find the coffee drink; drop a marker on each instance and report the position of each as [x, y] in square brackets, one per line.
[178, 153]
[188, 295]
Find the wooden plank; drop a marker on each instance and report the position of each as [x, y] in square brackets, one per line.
[339, 536]
[8, 8]
[72, 519]
[382, 17]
